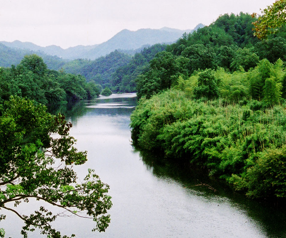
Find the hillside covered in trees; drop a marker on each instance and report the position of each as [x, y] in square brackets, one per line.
[99, 70]
[116, 70]
[10, 56]
[103, 71]
[228, 43]
[215, 100]
[33, 80]
[123, 79]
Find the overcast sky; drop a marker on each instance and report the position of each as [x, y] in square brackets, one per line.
[86, 22]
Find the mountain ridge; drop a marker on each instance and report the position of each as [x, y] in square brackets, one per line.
[125, 40]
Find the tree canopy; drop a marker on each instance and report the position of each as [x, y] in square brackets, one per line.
[33, 80]
[231, 125]
[99, 70]
[37, 156]
[216, 100]
[106, 92]
[272, 18]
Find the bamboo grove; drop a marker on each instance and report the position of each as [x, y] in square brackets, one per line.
[229, 121]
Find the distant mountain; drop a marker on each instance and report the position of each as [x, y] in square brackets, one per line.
[199, 26]
[13, 56]
[70, 53]
[132, 40]
[9, 56]
[133, 52]
[125, 41]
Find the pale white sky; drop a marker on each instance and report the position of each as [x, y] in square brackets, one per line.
[86, 22]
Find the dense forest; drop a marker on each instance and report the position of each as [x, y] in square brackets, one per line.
[99, 70]
[215, 100]
[227, 43]
[10, 56]
[123, 79]
[116, 70]
[107, 71]
[32, 79]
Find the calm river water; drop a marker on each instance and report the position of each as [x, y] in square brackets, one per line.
[151, 200]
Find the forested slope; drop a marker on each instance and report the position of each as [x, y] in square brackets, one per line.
[99, 70]
[216, 100]
[117, 70]
[123, 79]
[70, 53]
[33, 80]
[10, 56]
[228, 43]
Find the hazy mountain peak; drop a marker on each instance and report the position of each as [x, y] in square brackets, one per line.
[168, 29]
[123, 32]
[54, 47]
[200, 25]
[125, 40]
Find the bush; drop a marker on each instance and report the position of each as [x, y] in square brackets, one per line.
[106, 92]
[239, 144]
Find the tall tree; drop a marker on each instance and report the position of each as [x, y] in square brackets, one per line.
[201, 57]
[37, 155]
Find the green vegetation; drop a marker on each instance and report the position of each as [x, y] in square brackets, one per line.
[117, 70]
[35, 164]
[106, 92]
[211, 121]
[216, 99]
[10, 56]
[33, 80]
[100, 70]
[227, 43]
[123, 80]
[272, 18]
[37, 158]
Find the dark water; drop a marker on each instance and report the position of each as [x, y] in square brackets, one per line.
[154, 200]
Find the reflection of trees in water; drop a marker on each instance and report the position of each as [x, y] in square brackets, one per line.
[271, 217]
[129, 101]
[72, 111]
[112, 112]
[184, 174]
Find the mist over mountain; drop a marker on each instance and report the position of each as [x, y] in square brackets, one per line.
[125, 41]
[131, 40]
[13, 56]
[9, 56]
[69, 53]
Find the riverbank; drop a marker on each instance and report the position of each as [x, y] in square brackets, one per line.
[243, 145]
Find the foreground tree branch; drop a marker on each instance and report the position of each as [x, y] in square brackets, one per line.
[273, 17]
[28, 171]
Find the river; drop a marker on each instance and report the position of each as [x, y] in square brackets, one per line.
[154, 200]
